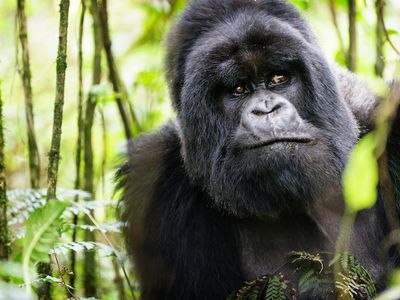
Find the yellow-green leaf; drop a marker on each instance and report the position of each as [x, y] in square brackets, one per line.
[360, 179]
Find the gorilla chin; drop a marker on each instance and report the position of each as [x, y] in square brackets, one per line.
[274, 179]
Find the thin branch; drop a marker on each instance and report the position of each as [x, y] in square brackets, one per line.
[381, 5]
[352, 54]
[105, 153]
[25, 72]
[98, 42]
[67, 289]
[380, 60]
[121, 96]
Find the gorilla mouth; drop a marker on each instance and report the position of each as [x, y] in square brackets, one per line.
[280, 140]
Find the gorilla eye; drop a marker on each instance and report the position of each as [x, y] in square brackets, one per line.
[278, 79]
[241, 90]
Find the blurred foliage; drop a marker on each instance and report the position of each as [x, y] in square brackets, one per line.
[361, 177]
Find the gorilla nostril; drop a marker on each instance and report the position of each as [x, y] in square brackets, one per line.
[275, 108]
[258, 112]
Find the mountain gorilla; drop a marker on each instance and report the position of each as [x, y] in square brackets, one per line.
[251, 168]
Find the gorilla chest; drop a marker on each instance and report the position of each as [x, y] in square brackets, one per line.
[265, 245]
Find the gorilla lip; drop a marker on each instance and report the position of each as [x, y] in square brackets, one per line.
[296, 140]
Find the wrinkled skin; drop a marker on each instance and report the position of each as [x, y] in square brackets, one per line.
[251, 168]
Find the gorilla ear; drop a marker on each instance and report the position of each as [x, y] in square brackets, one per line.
[361, 101]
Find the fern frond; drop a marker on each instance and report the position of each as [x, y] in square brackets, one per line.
[64, 248]
[355, 281]
[86, 207]
[105, 228]
[276, 288]
[25, 201]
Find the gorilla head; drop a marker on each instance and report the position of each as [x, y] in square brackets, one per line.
[262, 124]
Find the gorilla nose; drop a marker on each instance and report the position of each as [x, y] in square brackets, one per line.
[271, 116]
[263, 110]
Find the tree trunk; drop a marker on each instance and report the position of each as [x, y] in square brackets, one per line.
[44, 292]
[54, 154]
[33, 151]
[4, 239]
[121, 96]
[90, 266]
[90, 276]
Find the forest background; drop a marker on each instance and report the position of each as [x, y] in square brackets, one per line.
[94, 68]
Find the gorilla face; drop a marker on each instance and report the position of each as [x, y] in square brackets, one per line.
[262, 126]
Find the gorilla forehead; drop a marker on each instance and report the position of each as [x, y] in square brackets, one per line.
[253, 41]
[203, 16]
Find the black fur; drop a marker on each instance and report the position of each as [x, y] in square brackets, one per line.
[205, 209]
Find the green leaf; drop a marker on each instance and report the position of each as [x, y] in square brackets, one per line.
[41, 235]
[392, 32]
[302, 4]
[360, 179]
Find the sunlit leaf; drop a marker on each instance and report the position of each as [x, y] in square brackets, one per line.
[360, 179]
